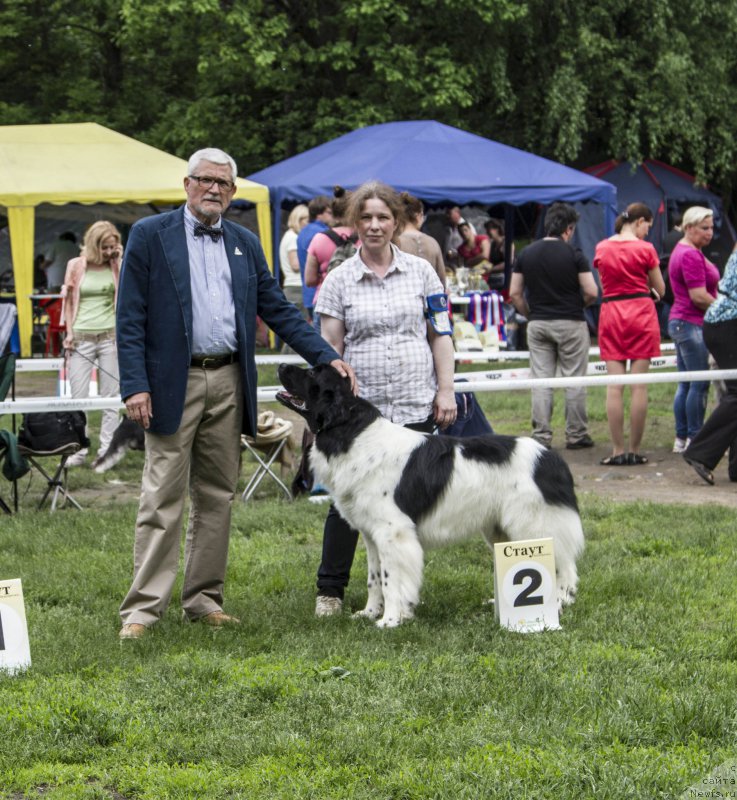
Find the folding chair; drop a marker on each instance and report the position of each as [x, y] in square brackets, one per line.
[266, 447]
[58, 435]
[58, 481]
[4, 506]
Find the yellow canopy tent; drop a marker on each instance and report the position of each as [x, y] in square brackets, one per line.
[86, 163]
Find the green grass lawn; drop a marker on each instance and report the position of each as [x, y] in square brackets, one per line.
[636, 696]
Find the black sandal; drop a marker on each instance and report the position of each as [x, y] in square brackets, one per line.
[703, 471]
[634, 459]
[614, 461]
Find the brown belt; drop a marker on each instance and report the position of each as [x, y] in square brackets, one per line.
[213, 362]
[94, 336]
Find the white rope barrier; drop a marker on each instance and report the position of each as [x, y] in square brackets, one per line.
[29, 405]
[39, 364]
[55, 364]
[267, 394]
[594, 368]
[280, 358]
[492, 354]
[595, 380]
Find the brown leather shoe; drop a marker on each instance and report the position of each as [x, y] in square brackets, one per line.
[218, 618]
[132, 630]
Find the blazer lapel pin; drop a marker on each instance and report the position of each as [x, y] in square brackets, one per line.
[238, 252]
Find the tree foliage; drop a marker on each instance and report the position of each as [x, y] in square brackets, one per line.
[265, 79]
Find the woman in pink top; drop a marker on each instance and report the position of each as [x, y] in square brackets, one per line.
[629, 268]
[694, 282]
[323, 245]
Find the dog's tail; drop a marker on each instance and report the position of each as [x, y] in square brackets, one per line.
[112, 456]
[128, 436]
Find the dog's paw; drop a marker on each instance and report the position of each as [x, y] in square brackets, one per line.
[370, 612]
[566, 596]
[391, 620]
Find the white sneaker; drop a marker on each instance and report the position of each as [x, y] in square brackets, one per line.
[77, 459]
[328, 606]
[680, 445]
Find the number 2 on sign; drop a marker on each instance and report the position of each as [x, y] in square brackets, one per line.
[525, 597]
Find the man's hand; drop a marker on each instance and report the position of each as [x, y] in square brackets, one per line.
[346, 370]
[139, 409]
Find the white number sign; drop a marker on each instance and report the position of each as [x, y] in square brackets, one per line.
[524, 585]
[15, 650]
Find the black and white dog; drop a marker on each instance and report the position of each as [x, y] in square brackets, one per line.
[127, 436]
[406, 491]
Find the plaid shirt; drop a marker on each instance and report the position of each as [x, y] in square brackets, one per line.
[386, 332]
[724, 308]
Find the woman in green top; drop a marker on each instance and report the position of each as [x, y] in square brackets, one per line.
[90, 293]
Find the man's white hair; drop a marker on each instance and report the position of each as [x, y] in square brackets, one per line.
[214, 156]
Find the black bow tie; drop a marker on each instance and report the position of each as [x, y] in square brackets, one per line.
[206, 230]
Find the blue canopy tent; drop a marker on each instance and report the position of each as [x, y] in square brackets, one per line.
[435, 162]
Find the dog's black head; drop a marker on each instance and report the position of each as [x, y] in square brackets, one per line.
[317, 394]
[324, 398]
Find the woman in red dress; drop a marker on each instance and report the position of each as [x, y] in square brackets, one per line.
[629, 270]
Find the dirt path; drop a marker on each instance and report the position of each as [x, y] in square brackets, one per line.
[665, 479]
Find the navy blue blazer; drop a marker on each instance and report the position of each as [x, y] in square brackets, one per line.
[154, 316]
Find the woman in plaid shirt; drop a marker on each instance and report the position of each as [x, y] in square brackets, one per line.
[373, 310]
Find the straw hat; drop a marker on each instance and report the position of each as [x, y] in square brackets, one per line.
[270, 429]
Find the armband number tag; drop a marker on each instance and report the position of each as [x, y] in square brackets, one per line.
[437, 313]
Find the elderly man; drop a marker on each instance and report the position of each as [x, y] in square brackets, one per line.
[551, 285]
[191, 286]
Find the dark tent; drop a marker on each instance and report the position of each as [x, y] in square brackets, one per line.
[667, 191]
[434, 162]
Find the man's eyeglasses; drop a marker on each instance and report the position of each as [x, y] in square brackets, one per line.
[207, 183]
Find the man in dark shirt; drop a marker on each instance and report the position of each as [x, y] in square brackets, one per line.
[551, 285]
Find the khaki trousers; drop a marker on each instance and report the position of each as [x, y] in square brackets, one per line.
[88, 349]
[204, 456]
[558, 347]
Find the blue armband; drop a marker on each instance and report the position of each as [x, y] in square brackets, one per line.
[437, 313]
